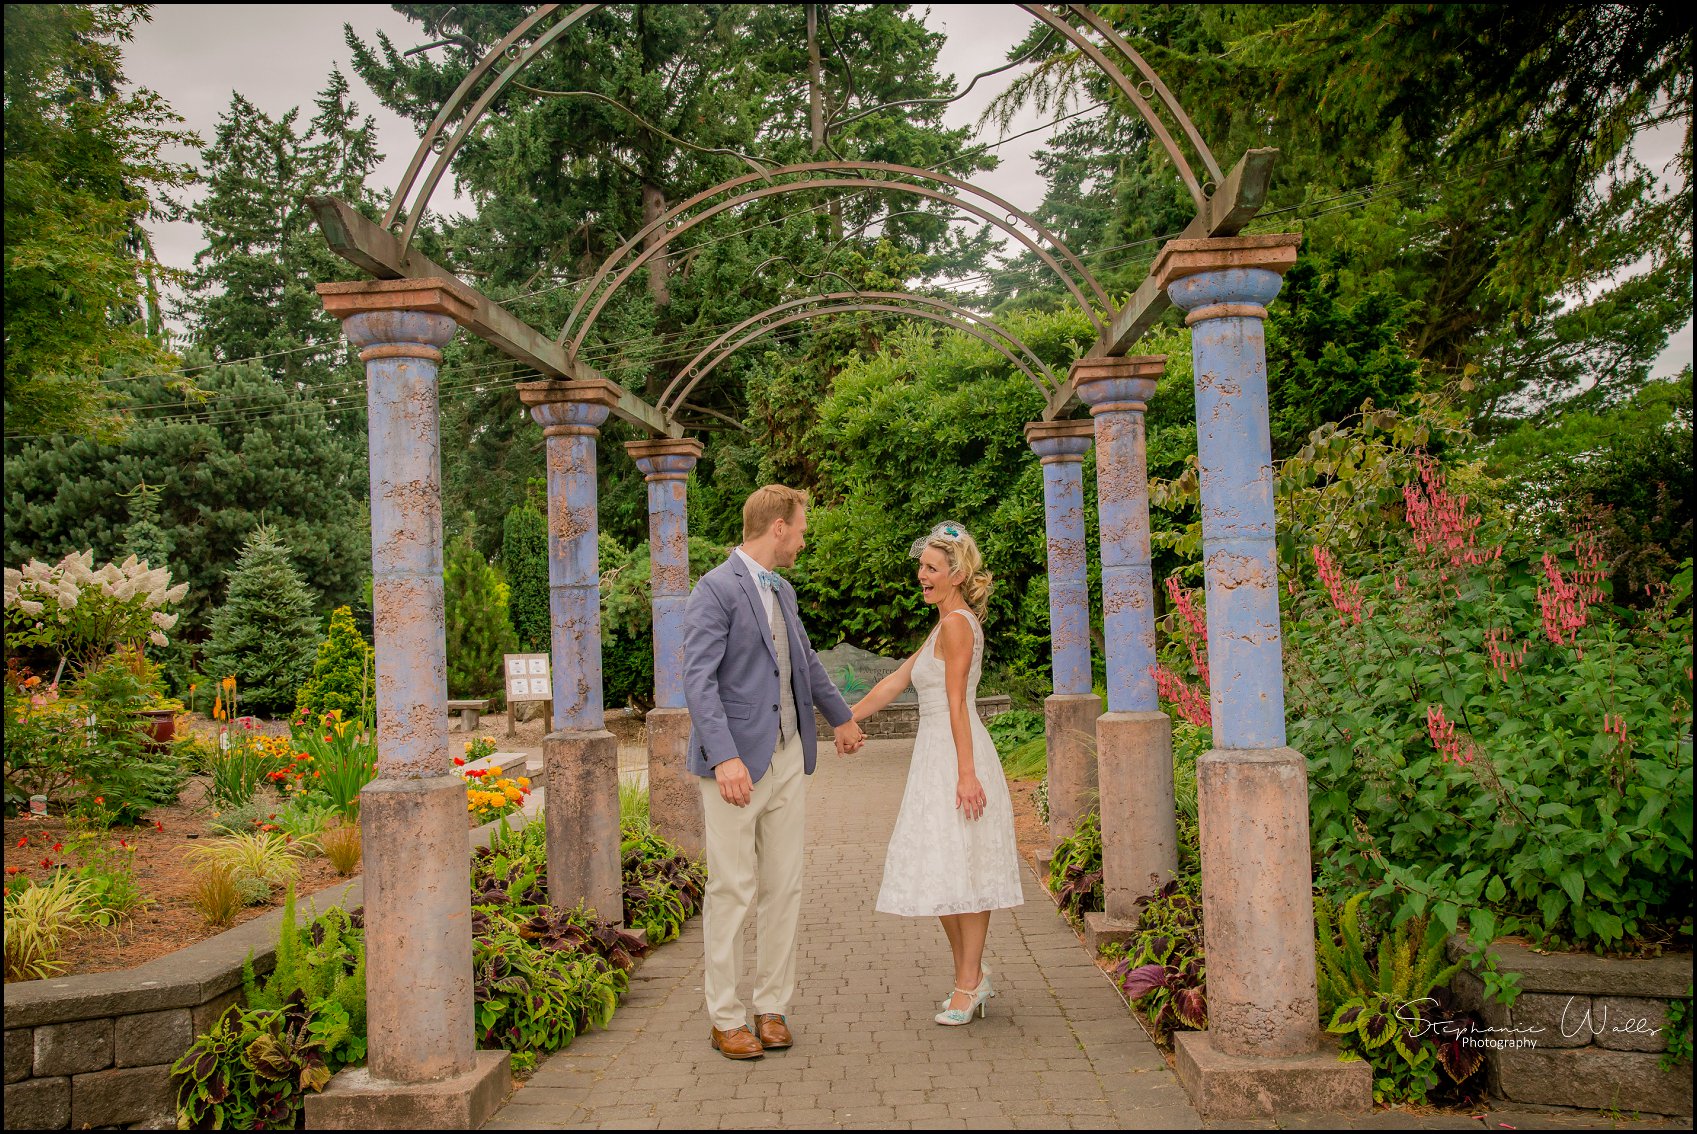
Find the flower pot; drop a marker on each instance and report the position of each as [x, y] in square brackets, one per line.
[161, 729]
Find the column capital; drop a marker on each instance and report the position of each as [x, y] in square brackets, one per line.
[1225, 277]
[438, 295]
[569, 407]
[1110, 384]
[665, 458]
[1059, 442]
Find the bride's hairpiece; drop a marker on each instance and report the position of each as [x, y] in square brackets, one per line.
[948, 530]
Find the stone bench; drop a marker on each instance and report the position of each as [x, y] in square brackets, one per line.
[468, 712]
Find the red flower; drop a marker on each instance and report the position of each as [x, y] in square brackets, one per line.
[123, 844]
[24, 842]
[57, 847]
[13, 869]
[158, 826]
[459, 761]
[46, 863]
[100, 799]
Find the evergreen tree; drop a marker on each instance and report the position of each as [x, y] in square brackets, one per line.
[83, 167]
[342, 676]
[144, 538]
[266, 633]
[479, 630]
[524, 557]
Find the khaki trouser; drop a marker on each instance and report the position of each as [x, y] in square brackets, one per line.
[754, 850]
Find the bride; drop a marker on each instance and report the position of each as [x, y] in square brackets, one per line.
[952, 854]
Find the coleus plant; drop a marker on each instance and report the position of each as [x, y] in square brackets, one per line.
[1075, 872]
[1165, 972]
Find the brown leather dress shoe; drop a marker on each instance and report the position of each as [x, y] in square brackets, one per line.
[738, 1043]
[774, 1033]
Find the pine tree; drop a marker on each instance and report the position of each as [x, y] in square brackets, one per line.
[524, 557]
[479, 630]
[342, 677]
[144, 538]
[265, 634]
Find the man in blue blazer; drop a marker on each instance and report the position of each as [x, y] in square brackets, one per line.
[752, 678]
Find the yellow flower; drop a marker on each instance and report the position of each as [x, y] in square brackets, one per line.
[524, 782]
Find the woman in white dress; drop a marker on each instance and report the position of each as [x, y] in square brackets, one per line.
[952, 854]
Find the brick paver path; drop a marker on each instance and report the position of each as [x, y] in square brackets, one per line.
[1058, 1050]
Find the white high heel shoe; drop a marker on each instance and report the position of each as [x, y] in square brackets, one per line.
[983, 975]
[955, 1017]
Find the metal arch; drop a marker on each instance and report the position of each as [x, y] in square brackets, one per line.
[647, 252]
[916, 313]
[1095, 55]
[859, 297]
[433, 134]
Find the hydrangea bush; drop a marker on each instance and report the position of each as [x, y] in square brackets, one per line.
[84, 613]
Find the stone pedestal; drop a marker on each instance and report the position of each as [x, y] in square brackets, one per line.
[356, 1100]
[418, 914]
[1224, 1086]
[1134, 760]
[582, 817]
[674, 800]
[1070, 733]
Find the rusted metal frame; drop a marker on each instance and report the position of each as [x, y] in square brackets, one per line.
[358, 240]
[473, 115]
[848, 297]
[453, 103]
[1107, 32]
[723, 187]
[1127, 88]
[642, 257]
[1238, 200]
[849, 308]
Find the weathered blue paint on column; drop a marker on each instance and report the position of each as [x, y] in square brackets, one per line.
[1118, 390]
[571, 414]
[1061, 445]
[1234, 455]
[402, 350]
[666, 464]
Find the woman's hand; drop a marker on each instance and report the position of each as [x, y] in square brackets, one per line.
[969, 795]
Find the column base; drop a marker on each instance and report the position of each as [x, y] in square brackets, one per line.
[353, 1100]
[1224, 1086]
[1134, 763]
[674, 800]
[1100, 930]
[582, 817]
[1070, 734]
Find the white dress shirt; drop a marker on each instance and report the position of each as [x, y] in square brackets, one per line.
[767, 595]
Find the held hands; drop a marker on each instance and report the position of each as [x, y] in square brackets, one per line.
[735, 786]
[969, 795]
[849, 738]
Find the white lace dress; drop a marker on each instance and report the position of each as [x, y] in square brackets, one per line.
[939, 861]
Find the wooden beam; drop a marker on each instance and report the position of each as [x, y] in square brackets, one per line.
[369, 247]
[1228, 210]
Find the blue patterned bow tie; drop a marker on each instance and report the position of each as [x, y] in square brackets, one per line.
[768, 579]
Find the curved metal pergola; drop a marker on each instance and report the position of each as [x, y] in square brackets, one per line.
[1138, 94]
[653, 246]
[924, 307]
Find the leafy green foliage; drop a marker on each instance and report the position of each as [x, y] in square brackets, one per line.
[1021, 743]
[265, 635]
[1164, 972]
[1075, 871]
[524, 558]
[1389, 1003]
[1679, 1032]
[478, 628]
[627, 616]
[342, 675]
[663, 888]
[83, 169]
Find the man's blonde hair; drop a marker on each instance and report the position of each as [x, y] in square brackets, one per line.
[765, 505]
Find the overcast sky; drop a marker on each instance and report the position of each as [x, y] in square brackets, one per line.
[278, 56]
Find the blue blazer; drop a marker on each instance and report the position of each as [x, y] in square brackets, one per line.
[731, 674]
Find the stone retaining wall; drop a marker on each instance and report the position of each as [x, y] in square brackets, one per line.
[97, 1049]
[901, 721]
[1586, 1031]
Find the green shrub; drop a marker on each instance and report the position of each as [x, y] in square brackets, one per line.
[342, 677]
[524, 558]
[478, 628]
[266, 633]
[1075, 871]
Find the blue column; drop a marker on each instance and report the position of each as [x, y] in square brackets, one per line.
[1118, 390]
[1252, 790]
[666, 464]
[1061, 445]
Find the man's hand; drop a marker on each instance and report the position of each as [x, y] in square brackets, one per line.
[849, 738]
[735, 788]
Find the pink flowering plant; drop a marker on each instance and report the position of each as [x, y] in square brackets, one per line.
[1491, 743]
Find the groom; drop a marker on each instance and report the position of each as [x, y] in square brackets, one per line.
[751, 679]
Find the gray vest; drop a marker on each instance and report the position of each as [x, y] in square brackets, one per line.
[786, 695]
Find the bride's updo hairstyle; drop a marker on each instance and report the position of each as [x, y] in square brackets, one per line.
[961, 552]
